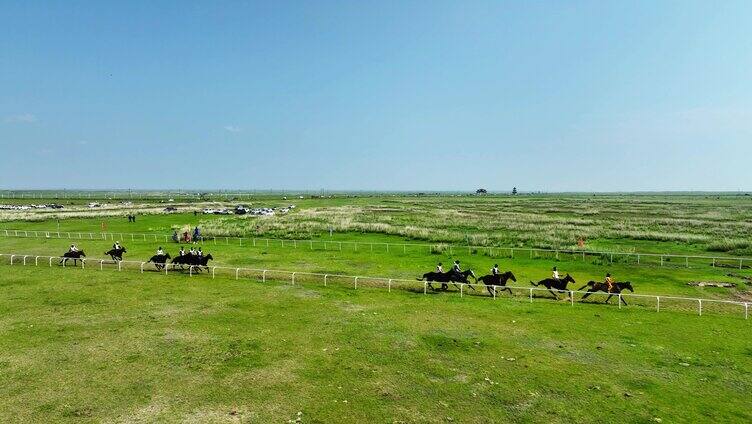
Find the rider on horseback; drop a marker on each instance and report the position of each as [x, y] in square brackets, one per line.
[439, 268]
[555, 274]
[456, 268]
[182, 251]
[199, 253]
[160, 251]
[116, 246]
[610, 282]
[73, 248]
[495, 270]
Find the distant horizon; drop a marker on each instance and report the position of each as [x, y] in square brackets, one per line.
[192, 191]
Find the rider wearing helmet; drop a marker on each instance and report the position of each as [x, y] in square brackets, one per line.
[160, 251]
[555, 274]
[440, 268]
[456, 268]
[116, 246]
[495, 270]
[73, 248]
[609, 282]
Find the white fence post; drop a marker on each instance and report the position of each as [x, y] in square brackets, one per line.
[619, 300]
[237, 271]
[190, 270]
[11, 259]
[263, 276]
[101, 264]
[83, 263]
[36, 261]
[213, 269]
[50, 261]
[325, 275]
[425, 287]
[531, 295]
[142, 267]
[119, 268]
[356, 282]
[293, 278]
[657, 303]
[699, 306]
[571, 297]
[389, 285]
[461, 287]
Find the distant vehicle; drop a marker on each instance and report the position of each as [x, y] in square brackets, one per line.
[209, 211]
[94, 205]
[170, 209]
[222, 212]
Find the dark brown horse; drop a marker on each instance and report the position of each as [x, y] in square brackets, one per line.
[116, 254]
[616, 289]
[448, 277]
[75, 256]
[559, 285]
[492, 281]
[160, 260]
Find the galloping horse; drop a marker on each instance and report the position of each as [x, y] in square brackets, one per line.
[160, 261]
[192, 260]
[448, 277]
[559, 285]
[76, 256]
[491, 281]
[616, 289]
[116, 254]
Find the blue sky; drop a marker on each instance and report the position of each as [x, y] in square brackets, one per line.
[555, 96]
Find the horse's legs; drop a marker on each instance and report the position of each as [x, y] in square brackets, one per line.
[608, 298]
[555, 295]
[508, 289]
[621, 298]
[585, 296]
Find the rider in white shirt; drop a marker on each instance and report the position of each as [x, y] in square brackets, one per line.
[555, 274]
[73, 248]
[439, 268]
[495, 269]
[160, 251]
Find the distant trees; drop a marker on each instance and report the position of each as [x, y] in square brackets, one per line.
[514, 191]
[481, 191]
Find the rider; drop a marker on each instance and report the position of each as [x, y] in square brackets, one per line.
[609, 282]
[116, 246]
[73, 248]
[555, 274]
[175, 236]
[495, 270]
[200, 253]
[192, 251]
[160, 252]
[456, 268]
[182, 251]
[440, 268]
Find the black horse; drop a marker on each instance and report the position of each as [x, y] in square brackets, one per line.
[491, 281]
[160, 261]
[76, 256]
[116, 254]
[559, 285]
[616, 289]
[448, 277]
[192, 260]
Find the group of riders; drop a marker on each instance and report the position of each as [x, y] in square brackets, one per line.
[497, 279]
[193, 257]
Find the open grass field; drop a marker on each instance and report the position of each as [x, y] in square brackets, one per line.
[106, 346]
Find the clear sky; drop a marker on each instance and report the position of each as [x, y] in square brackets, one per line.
[398, 95]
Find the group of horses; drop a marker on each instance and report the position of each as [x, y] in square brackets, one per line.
[499, 281]
[493, 282]
[197, 262]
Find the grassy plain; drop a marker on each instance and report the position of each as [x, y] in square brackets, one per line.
[106, 346]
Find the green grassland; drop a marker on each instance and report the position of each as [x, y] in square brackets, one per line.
[83, 345]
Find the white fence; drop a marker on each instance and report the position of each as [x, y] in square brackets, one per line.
[297, 277]
[510, 252]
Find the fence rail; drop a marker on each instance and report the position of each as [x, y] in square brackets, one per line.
[661, 258]
[294, 277]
